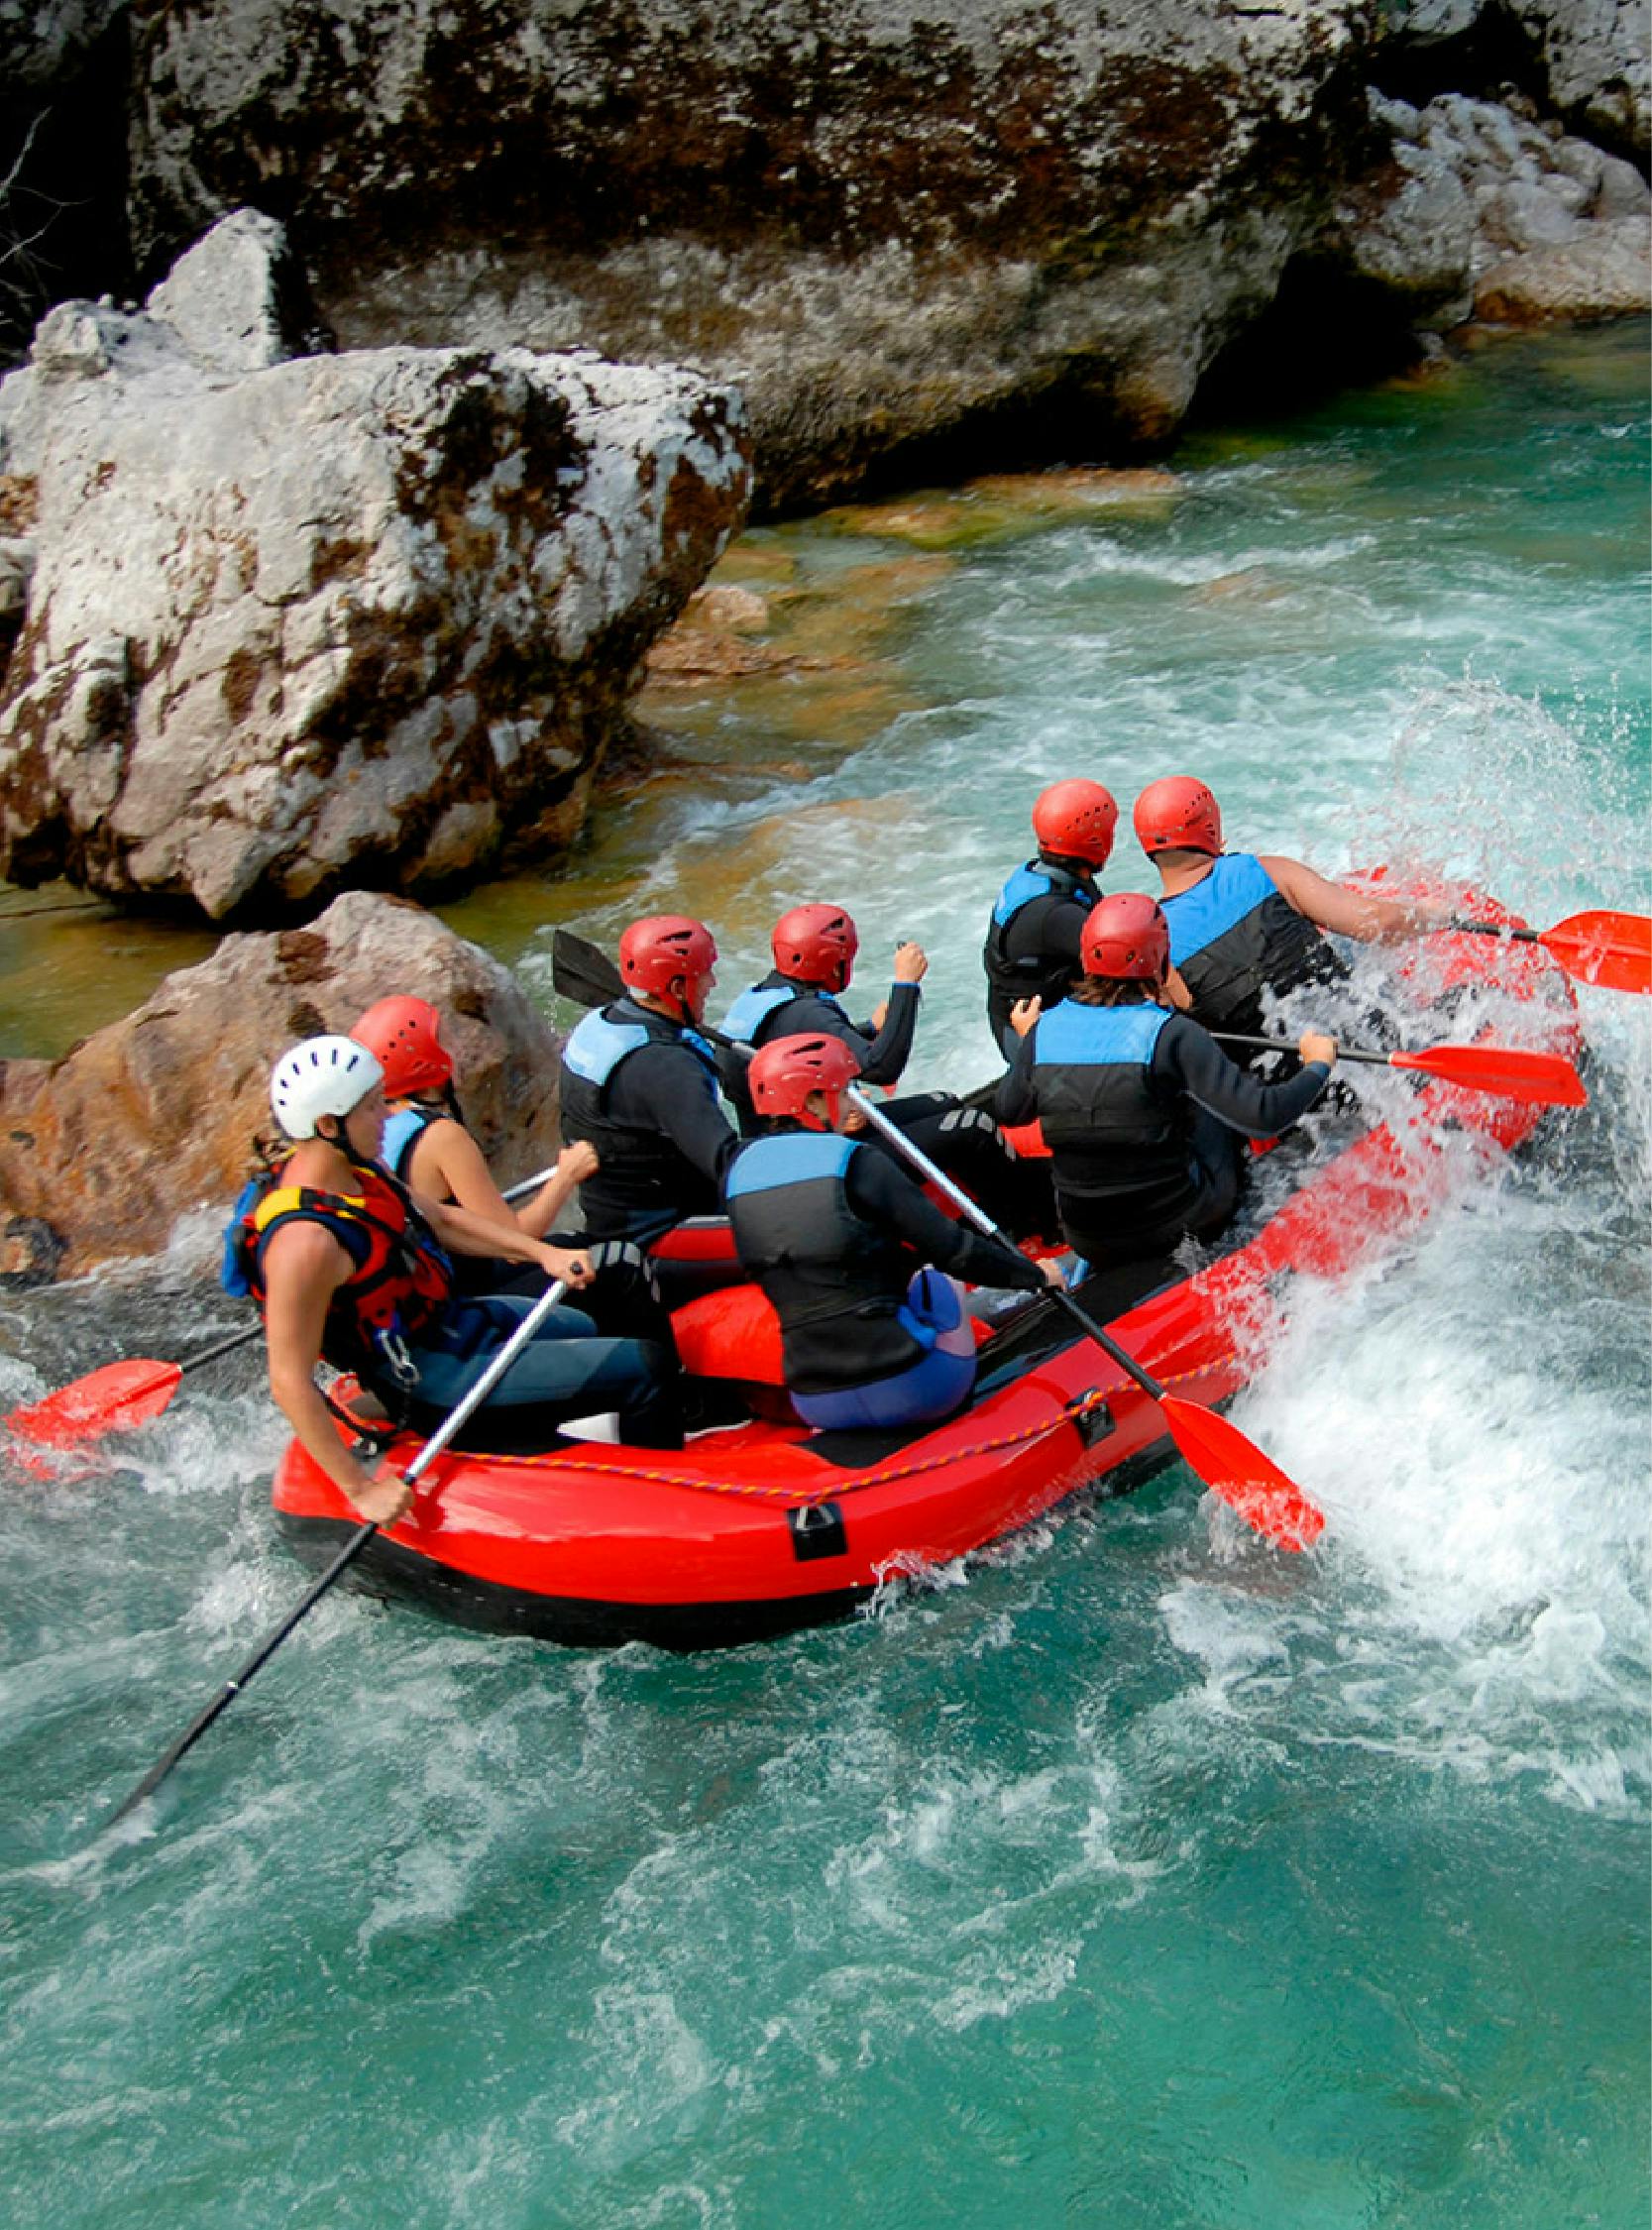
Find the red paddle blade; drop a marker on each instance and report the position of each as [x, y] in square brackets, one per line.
[113, 1399]
[1546, 1079]
[1236, 1469]
[1613, 950]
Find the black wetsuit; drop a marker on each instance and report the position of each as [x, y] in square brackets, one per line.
[962, 1140]
[643, 1090]
[1143, 1116]
[833, 1232]
[1031, 949]
[782, 1007]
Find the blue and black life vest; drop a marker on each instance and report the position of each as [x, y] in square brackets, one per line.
[755, 1018]
[644, 1184]
[1235, 934]
[1112, 1135]
[838, 1283]
[403, 1128]
[1032, 973]
[400, 1284]
[750, 1018]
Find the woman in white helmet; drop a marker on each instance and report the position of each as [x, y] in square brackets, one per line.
[348, 1265]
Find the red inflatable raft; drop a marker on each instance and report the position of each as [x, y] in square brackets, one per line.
[764, 1526]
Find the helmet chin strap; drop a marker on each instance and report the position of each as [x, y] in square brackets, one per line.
[342, 1144]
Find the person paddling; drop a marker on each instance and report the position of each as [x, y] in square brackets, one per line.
[348, 1266]
[427, 1146]
[639, 1084]
[842, 1242]
[1143, 1113]
[1031, 945]
[426, 1143]
[1243, 924]
[815, 950]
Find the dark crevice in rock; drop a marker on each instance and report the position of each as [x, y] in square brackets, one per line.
[1069, 422]
[63, 221]
[1324, 332]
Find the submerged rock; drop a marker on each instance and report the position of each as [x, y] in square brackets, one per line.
[102, 1152]
[297, 622]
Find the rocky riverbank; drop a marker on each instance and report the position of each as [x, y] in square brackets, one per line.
[102, 1152]
[921, 243]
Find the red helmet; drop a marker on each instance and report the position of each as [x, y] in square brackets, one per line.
[784, 1073]
[817, 944]
[1076, 819]
[1126, 935]
[1178, 815]
[403, 1036]
[656, 951]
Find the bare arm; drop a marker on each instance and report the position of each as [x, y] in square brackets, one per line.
[462, 1232]
[1352, 912]
[448, 1161]
[303, 1267]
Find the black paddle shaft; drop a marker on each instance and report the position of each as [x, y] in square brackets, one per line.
[459, 1416]
[231, 1687]
[1284, 1045]
[1498, 929]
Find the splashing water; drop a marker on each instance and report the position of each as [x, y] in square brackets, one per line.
[1130, 1874]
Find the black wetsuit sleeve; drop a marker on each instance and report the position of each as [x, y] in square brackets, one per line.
[667, 1088]
[885, 1053]
[884, 1195]
[1061, 929]
[1017, 1101]
[1189, 1060]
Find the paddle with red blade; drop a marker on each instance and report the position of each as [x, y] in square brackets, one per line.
[122, 1395]
[1546, 1079]
[1247, 1480]
[1230, 1465]
[1612, 952]
[115, 1399]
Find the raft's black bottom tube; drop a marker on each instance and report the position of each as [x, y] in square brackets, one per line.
[397, 1573]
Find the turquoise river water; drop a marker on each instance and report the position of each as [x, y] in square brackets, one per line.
[1133, 1876]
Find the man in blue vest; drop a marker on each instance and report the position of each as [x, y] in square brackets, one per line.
[639, 1084]
[1032, 946]
[1242, 924]
[840, 1237]
[814, 949]
[1143, 1113]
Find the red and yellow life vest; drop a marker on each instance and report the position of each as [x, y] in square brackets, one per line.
[400, 1281]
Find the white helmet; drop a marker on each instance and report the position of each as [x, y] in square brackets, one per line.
[321, 1077]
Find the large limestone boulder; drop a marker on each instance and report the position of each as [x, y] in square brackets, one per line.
[294, 623]
[1596, 56]
[883, 220]
[102, 1152]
